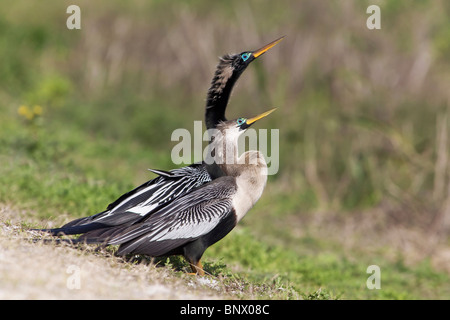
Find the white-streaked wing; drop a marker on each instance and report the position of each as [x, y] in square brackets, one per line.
[159, 191]
[188, 217]
[143, 200]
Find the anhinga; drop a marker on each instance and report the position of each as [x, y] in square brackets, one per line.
[227, 72]
[150, 197]
[194, 221]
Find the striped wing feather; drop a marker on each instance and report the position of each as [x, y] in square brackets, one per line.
[183, 220]
[143, 200]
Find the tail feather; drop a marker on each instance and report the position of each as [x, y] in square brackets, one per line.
[68, 241]
[71, 230]
[84, 220]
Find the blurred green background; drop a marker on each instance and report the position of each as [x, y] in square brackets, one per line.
[363, 116]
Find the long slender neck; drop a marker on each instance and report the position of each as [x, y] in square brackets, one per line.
[251, 179]
[219, 92]
[224, 148]
[249, 169]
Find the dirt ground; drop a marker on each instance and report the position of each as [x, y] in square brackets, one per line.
[34, 270]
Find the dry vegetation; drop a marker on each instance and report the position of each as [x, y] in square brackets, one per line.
[34, 270]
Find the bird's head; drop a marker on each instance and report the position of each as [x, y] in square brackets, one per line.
[238, 62]
[224, 146]
[243, 124]
[230, 130]
[228, 71]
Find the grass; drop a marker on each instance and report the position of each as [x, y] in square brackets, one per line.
[363, 176]
[49, 185]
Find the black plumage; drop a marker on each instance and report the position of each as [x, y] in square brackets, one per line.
[228, 71]
[144, 204]
[192, 222]
[184, 220]
[154, 194]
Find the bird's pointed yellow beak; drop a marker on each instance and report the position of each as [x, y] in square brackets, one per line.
[259, 52]
[258, 117]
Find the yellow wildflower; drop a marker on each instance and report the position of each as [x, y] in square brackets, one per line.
[37, 110]
[25, 112]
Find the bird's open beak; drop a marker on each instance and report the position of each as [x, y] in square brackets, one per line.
[258, 117]
[259, 52]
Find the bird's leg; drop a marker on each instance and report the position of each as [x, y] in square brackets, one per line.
[197, 268]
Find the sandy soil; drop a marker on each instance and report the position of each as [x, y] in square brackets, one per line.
[34, 270]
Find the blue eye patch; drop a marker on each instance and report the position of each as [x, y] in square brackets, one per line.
[246, 55]
[241, 121]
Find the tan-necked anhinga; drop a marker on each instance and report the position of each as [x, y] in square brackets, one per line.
[197, 219]
[141, 202]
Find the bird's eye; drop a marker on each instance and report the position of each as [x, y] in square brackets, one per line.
[245, 56]
[240, 121]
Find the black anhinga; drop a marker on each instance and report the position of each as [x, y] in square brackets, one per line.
[227, 72]
[196, 220]
[145, 200]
